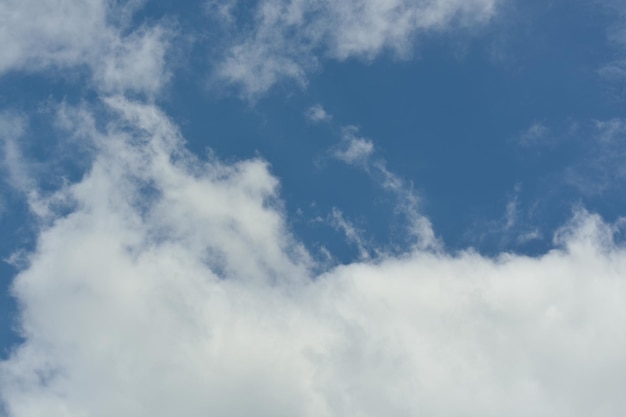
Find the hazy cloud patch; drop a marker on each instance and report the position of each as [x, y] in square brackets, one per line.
[317, 114]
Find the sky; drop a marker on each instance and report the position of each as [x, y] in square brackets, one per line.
[312, 208]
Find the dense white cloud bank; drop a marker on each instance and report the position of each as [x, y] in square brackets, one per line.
[174, 287]
[287, 37]
[61, 34]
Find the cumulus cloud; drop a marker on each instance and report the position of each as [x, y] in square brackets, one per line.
[286, 38]
[171, 284]
[48, 34]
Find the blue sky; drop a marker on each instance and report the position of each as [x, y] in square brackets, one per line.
[323, 208]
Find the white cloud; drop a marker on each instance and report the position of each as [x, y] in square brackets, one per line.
[353, 234]
[359, 152]
[288, 37]
[317, 114]
[49, 34]
[223, 10]
[14, 168]
[534, 135]
[352, 149]
[163, 284]
[512, 230]
[610, 131]
[173, 286]
[614, 71]
[12, 127]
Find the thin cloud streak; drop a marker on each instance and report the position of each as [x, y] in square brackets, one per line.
[360, 152]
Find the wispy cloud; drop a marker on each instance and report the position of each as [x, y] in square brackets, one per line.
[535, 135]
[287, 39]
[601, 167]
[592, 152]
[354, 235]
[512, 230]
[15, 169]
[615, 69]
[352, 149]
[358, 151]
[12, 127]
[317, 114]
